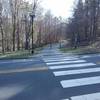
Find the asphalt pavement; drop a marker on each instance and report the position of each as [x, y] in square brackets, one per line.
[51, 75]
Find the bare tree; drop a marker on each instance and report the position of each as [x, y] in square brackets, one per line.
[1, 26]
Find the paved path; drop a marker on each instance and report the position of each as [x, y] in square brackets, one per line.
[78, 75]
[51, 75]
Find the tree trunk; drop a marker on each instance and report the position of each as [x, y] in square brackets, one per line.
[14, 29]
[2, 32]
[18, 37]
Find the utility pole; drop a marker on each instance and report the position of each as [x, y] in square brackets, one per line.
[32, 15]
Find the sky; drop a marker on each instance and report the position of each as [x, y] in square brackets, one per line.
[58, 8]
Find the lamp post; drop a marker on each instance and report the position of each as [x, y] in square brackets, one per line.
[32, 16]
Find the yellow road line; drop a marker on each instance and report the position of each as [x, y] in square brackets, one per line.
[24, 70]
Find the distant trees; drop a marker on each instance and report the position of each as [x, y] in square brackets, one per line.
[14, 22]
[52, 28]
[1, 26]
[13, 6]
[16, 26]
[83, 28]
[19, 13]
[49, 28]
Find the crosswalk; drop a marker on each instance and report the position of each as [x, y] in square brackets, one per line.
[59, 65]
[93, 96]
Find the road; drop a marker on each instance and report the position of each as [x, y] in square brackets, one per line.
[51, 75]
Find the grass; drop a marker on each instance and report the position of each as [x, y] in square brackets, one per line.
[92, 48]
[16, 55]
[23, 54]
[37, 50]
[80, 50]
[70, 50]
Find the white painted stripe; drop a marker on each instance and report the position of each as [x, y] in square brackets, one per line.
[86, 56]
[94, 96]
[81, 71]
[89, 56]
[48, 61]
[54, 55]
[69, 59]
[63, 57]
[80, 82]
[66, 62]
[72, 66]
[58, 57]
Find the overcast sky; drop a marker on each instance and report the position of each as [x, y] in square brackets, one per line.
[61, 8]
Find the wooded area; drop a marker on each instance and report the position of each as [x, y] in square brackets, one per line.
[84, 27]
[16, 25]
[18, 31]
